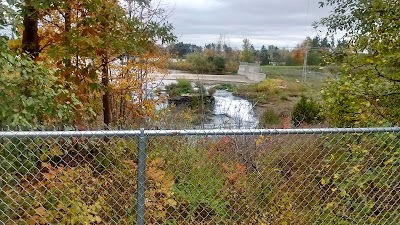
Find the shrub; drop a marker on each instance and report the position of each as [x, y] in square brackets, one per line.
[181, 65]
[31, 94]
[269, 85]
[232, 67]
[182, 87]
[225, 86]
[219, 63]
[269, 117]
[306, 110]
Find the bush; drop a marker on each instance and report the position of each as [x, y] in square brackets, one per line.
[219, 63]
[270, 85]
[181, 65]
[232, 67]
[202, 63]
[31, 94]
[269, 117]
[306, 111]
[182, 87]
[225, 86]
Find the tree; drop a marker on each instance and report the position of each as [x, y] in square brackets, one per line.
[82, 41]
[298, 53]
[264, 56]
[367, 89]
[365, 92]
[247, 52]
[182, 49]
[30, 38]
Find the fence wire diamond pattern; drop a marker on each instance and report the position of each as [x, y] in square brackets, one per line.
[284, 176]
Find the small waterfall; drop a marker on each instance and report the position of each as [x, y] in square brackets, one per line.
[231, 112]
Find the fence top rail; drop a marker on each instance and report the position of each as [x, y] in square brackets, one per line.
[198, 132]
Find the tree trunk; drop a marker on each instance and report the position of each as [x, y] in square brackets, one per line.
[30, 38]
[106, 96]
[67, 28]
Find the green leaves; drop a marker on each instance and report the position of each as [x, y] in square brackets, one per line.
[366, 89]
[248, 52]
[29, 92]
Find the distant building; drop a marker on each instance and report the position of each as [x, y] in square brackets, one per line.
[277, 63]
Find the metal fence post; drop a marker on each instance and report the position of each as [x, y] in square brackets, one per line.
[141, 185]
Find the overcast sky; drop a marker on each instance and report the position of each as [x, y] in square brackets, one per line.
[284, 23]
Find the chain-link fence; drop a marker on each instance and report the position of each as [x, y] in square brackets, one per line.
[284, 176]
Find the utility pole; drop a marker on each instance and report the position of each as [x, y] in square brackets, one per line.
[304, 75]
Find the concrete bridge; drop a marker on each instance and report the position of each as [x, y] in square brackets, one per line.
[205, 78]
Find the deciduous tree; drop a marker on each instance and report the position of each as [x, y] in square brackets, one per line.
[247, 54]
[367, 88]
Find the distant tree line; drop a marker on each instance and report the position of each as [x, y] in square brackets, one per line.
[220, 58]
[212, 59]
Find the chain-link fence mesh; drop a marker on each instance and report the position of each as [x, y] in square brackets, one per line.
[302, 176]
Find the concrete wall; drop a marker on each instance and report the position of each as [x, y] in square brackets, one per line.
[258, 77]
[252, 71]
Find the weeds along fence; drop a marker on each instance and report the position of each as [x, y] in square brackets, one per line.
[283, 176]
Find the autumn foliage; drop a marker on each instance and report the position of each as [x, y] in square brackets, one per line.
[101, 51]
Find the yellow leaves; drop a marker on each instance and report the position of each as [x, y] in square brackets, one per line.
[357, 169]
[81, 213]
[159, 191]
[155, 174]
[158, 162]
[158, 177]
[323, 181]
[54, 151]
[132, 164]
[94, 219]
[52, 172]
[40, 217]
[331, 205]
[260, 140]
[172, 202]
[389, 161]
[15, 44]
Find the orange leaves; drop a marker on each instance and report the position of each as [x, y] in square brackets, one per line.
[159, 191]
[224, 144]
[39, 217]
[233, 175]
[298, 55]
[52, 172]
[159, 178]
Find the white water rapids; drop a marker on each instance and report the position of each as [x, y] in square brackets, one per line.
[229, 111]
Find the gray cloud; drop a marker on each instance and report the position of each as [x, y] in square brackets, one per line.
[280, 22]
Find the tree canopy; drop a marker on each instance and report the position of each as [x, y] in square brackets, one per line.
[366, 90]
[101, 51]
[248, 51]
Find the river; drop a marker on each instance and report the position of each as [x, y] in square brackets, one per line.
[229, 111]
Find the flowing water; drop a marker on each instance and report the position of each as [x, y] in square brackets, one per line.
[229, 111]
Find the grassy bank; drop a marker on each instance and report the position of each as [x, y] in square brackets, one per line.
[283, 88]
